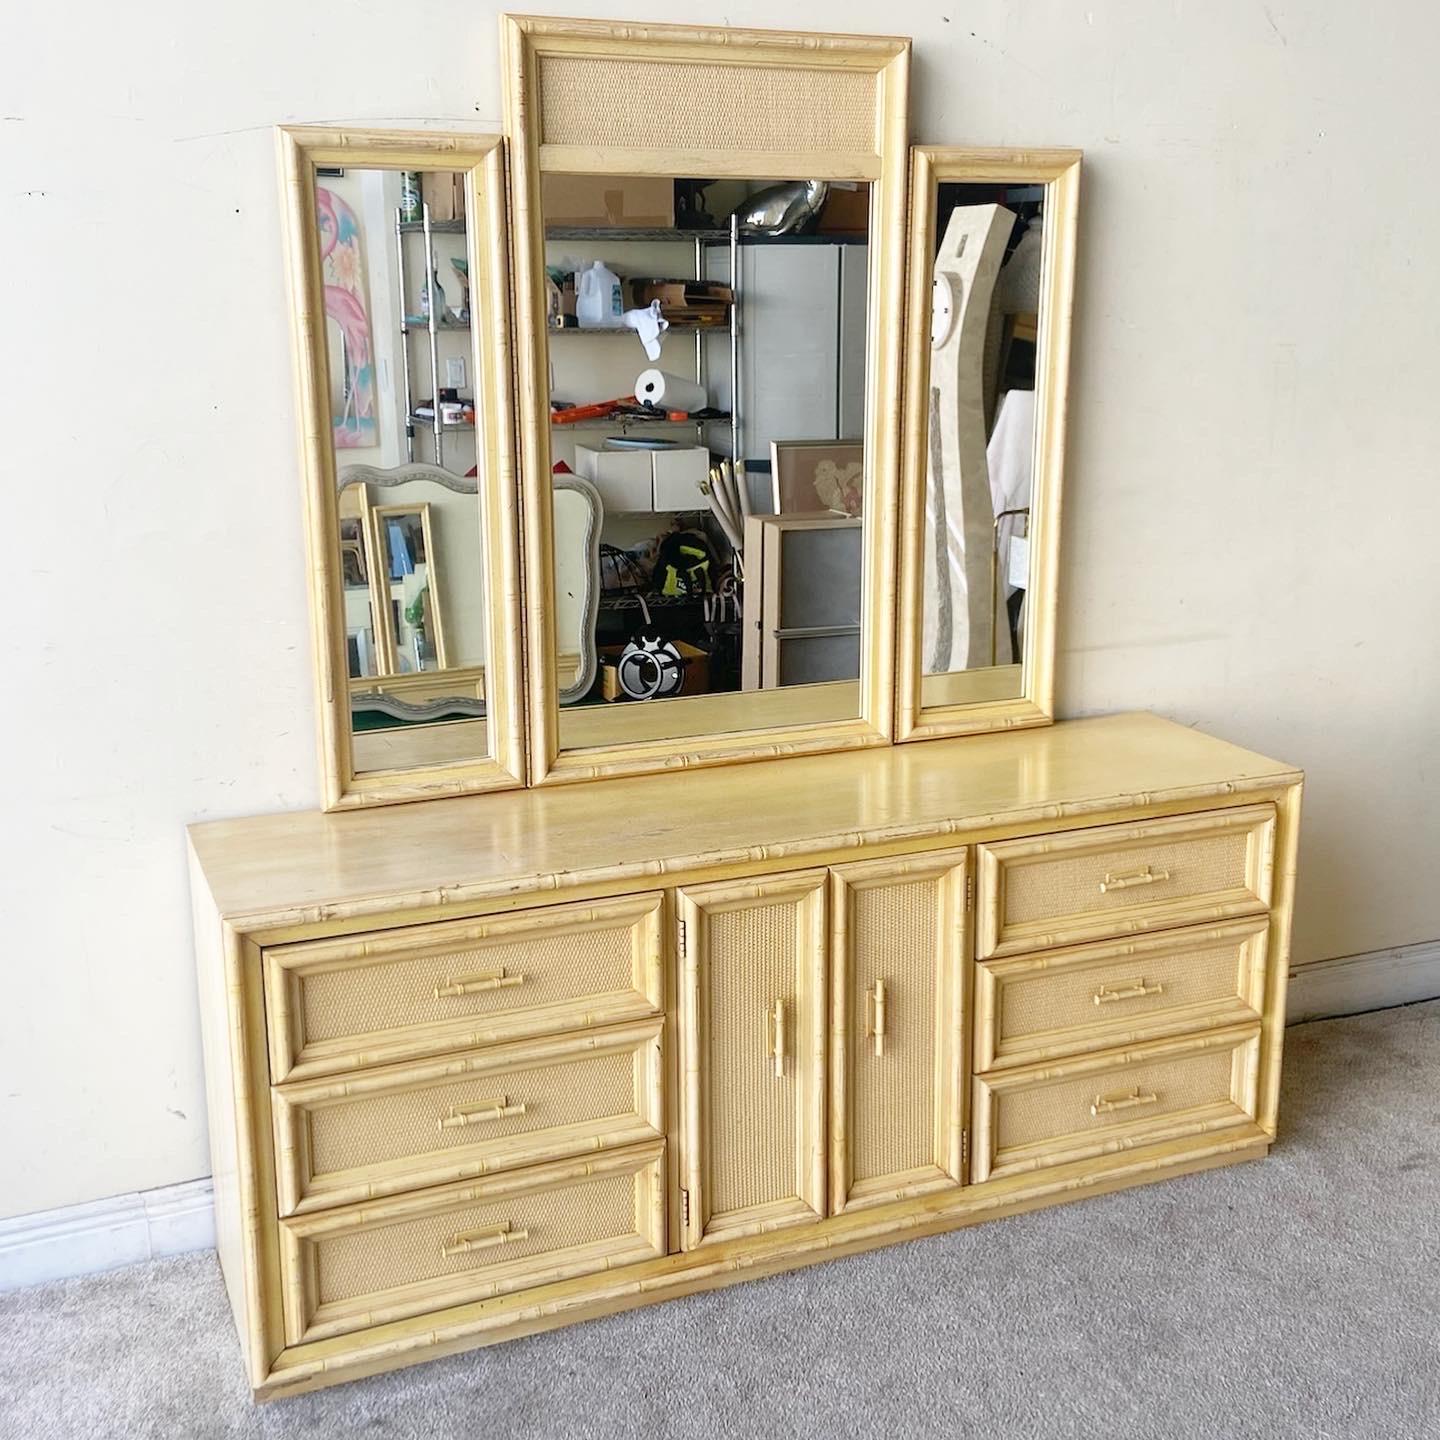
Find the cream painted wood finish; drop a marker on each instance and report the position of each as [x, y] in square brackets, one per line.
[803, 886]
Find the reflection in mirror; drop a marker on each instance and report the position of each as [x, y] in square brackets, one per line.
[707, 357]
[394, 259]
[984, 339]
[579, 517]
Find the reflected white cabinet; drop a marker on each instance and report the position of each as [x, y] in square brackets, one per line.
[801, 301]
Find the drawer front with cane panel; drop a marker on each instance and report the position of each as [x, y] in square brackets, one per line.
[1045, 1115]
[1030, 1008]
[392, 995]
[349, 1269]
[431, 1122]
[1122, 879]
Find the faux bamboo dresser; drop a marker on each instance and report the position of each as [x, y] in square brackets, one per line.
[481, 1067]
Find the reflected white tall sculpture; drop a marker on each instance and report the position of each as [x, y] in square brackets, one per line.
[959, 611]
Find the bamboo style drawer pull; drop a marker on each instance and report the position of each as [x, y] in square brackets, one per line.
[449, 988]
[486, 1239]
[1142, 876]
[499, 1109]
[1103, 1104]
[775, 1037]
[875, 1000]
[1127, 990]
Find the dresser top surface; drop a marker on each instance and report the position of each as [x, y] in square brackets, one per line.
[297, 866]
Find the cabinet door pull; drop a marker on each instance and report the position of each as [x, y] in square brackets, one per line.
[1126, 990]
[1103, 1104]
[449, 987]
[775, 1037]
[1143, 876]
[875, 1000]
[485, 1239]
[455, 1119]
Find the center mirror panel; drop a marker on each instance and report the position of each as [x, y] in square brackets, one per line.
[707, 361]
[709, 248]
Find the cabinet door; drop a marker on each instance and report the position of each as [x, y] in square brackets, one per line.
[752, 1020]
[897, 1040]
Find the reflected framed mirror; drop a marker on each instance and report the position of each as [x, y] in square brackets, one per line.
[990, 290]
[400, 297]
[709, 246]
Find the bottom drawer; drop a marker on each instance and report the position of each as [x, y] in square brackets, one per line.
[1045, 1115]
[369, 1264]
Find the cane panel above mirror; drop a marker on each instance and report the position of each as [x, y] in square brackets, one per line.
[400, 291]
[708, 247]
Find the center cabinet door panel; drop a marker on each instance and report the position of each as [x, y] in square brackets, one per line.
[752, 1020]
[897, 942]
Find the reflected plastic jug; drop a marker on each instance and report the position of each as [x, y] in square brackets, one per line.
[598, 300]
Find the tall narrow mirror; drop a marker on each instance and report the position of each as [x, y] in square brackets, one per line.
[708, 282]
[990, 283]
[410, 476]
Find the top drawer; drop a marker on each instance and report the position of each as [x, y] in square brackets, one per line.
[1118, 879]
[419, 990]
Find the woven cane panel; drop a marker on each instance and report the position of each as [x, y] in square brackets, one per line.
[373, 1128]
[604, 102]
[1064, 999]
[1066, 885]
[1062, 1108]
[396, 993]
[893, 932]
[752, 963]
[384, 1257]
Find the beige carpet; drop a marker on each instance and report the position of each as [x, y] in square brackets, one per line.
[1295, 1297]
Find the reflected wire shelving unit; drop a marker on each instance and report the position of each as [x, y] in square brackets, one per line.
[431, 326]
[703, 241]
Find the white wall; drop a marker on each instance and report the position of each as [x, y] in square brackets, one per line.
[1252, 514]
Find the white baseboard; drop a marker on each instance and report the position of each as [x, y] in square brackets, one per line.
[1364, 982]
[82, 1239]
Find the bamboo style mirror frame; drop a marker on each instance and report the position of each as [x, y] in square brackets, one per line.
[591, 98]
[980, 528]
[360, 354]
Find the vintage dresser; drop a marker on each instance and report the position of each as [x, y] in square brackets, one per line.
[564, 1006]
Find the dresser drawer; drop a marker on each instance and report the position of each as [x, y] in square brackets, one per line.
[418, 990]
[1081, 1108]
[1119, 879]
[348, 1269]
[431, 1122]
[1031, 1008]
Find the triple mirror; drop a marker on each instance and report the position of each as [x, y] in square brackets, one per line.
[713, 293]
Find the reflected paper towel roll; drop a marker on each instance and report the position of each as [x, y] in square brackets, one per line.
[669, 392]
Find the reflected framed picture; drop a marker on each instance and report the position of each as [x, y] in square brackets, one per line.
[809, 475]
